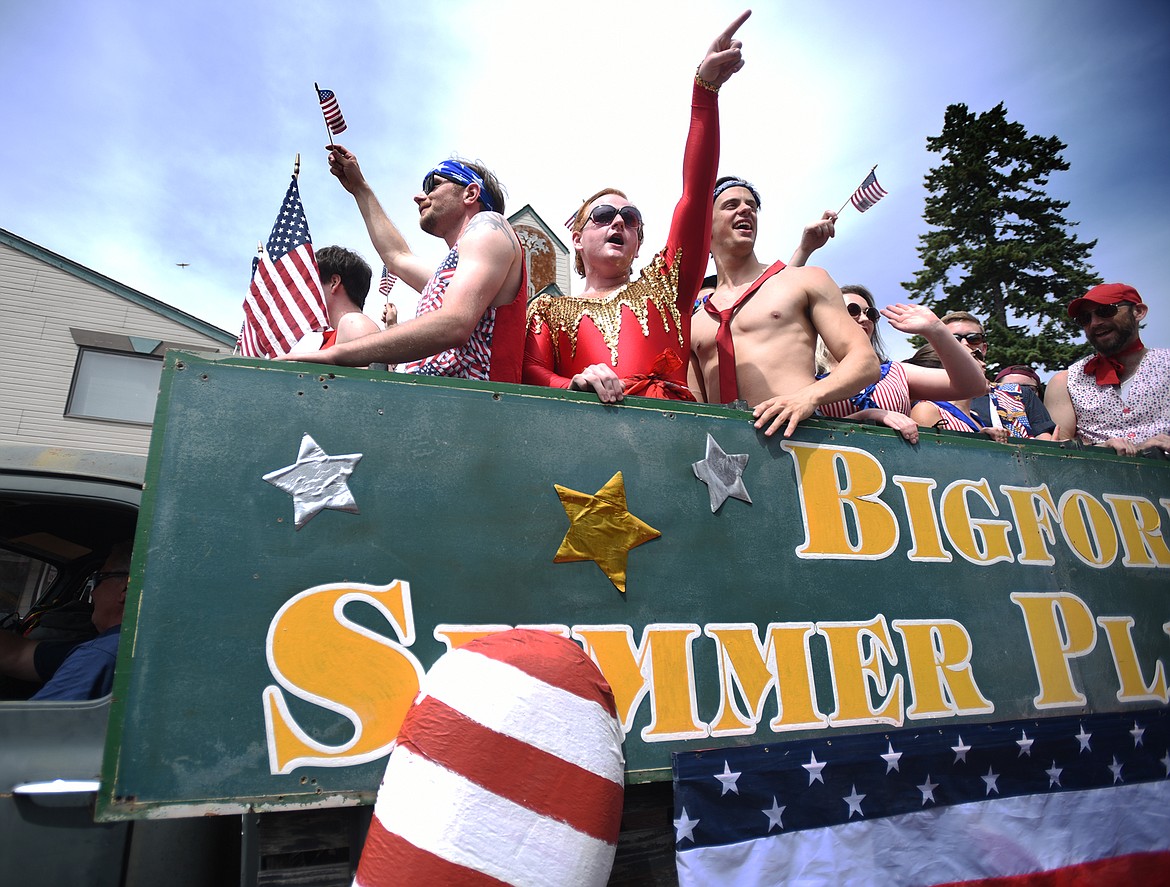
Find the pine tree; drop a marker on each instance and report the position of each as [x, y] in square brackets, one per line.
[1001, 247]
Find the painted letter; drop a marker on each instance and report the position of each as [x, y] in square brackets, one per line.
[319, 655]
[1033, 510]
[938, 659]
[924, 531]
[839, 486]
[784, 663]
[1141, 531]
[1131, 687]
[855, 670]
[660, 665]
[980, 541]
[1087, 529]
[1060, 627]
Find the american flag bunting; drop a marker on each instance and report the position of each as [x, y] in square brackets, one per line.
[934, 805]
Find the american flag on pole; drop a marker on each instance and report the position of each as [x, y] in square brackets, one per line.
[387, 282]
[1054, 802]
[331, 110]
[285, 300]
[868, 193]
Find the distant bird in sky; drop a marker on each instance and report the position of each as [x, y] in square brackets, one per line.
[183, 264]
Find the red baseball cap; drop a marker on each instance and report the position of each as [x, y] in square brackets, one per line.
[1105, 294]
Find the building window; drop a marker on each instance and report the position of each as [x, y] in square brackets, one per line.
[114, 385]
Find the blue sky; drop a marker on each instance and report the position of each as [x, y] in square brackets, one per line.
[147, 134]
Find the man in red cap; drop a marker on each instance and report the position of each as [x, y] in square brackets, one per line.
[1120, 396]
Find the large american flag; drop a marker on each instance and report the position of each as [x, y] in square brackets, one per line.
[331, 110]
[285, 300]
[868, 193]
[1035, 802]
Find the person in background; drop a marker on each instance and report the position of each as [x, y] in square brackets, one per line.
[954, 414]
[1118, 397]
[1004, 404]
[888, 401]
[88, 671]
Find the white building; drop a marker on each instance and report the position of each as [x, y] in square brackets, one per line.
[81, 354]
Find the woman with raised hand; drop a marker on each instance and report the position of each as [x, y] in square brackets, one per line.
[632, 336]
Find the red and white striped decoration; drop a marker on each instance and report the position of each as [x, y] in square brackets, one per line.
[508, 770]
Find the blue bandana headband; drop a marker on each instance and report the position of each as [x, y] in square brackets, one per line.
[461, 174]
[738, 183]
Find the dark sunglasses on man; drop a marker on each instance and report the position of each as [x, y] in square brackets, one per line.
[973, 338]
[93, 580]
[605, 213]
[1084, 318]
[872, 313]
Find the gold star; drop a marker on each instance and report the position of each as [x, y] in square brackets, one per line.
[601, 529]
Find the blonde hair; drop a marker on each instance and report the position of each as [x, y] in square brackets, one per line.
[583, 214]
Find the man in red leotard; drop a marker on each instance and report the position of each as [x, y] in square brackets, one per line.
[623, 336]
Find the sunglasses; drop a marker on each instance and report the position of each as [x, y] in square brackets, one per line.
[855, 310]
[93, 580]
[605, 213]
[973, 338]
[1084, 318]
[432, 181]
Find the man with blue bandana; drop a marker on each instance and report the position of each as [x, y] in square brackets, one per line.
[471, 315]
[752, 342]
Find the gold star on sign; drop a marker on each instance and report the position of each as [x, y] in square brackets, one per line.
[601, 529]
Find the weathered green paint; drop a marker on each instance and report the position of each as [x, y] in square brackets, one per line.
[456, 497]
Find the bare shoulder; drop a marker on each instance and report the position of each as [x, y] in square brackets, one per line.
[488, 227]
[796, 284]
[357, 324]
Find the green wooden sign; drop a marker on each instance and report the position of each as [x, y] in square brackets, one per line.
[311, 542]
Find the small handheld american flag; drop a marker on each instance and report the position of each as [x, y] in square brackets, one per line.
[868, 193]
[331, 110]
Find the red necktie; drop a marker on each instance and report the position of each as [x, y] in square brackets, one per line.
[724, 344]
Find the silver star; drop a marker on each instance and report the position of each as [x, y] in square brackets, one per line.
[814, 768]
[1025, 744]
[1054, 775]
[927, 788]
[684, 827]
[1115, 769]
[960, 751]
[990, 779]
[853, 799]
[727, 778]
[1083, 738]
[891, 758]
[316, 481]
[774, 815]
[1166, 762]
[1136, 733]
[723, 474]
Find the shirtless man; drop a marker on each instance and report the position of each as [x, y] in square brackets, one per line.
[774, 315]
[470, 320]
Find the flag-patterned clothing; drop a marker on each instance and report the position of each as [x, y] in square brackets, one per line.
[285, 301]
[891, 392]
[495, 349]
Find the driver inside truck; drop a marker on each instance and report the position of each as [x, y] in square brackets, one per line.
[77, 671]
